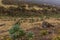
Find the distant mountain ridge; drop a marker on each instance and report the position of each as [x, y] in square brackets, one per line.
[50, 2]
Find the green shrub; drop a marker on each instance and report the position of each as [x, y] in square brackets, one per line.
[30, 35]
[43, 32]
[17, 33]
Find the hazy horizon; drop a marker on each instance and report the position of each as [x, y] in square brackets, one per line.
[56, 2]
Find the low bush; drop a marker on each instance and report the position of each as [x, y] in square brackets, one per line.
[17, 33]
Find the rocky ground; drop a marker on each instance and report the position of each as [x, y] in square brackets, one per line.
[34, 26]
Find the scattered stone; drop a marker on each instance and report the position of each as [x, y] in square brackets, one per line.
[46, 24]
[2, 24]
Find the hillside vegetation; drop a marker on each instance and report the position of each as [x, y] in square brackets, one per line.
[27, 10]
[28, 21]
[11, 8]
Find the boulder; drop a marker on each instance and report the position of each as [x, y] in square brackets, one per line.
[46, 24]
